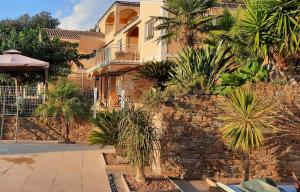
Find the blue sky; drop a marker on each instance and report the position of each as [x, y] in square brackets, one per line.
[73, 14]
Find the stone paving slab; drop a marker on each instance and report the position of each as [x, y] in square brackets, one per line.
[32, 167]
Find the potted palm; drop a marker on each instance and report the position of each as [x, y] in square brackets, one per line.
[247, 119]
[65, 103]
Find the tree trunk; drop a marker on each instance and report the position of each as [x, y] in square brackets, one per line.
[282, 66]
[247, 167]
[140, 175]
[67, 132]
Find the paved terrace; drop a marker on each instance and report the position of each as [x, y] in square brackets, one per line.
[52, 168]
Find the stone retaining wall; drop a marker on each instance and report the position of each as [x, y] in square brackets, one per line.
[31, 129]
[192, 147]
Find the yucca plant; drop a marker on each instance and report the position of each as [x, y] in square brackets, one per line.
[247, 119]
[157, 71]
[139, 141]
[107, 128]
[202, 68]
[66, 103]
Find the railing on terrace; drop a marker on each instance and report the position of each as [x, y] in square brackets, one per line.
[119, 54]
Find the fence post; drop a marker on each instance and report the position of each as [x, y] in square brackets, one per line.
[44, 94]
[95, 102]
[17, 119]
[123, 99]
[3, 113]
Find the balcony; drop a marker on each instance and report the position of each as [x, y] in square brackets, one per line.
[118, 54]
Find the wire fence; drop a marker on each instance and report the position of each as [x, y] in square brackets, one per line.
[27, 99]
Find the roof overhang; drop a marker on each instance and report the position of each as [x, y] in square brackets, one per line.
[114, 69]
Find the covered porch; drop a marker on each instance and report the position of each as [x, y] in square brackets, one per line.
[115, 85]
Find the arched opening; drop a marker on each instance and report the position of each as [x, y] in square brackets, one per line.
[109, 23]
[133, 36]
[132, 39]
[127, 15]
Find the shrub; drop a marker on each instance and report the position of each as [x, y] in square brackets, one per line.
[107, 128]
[138, 139]
[247, 118]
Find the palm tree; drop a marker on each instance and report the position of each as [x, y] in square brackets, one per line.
[107, 128]
[202, 67]
[66, 103]
[186, 20]
[247, 118]
[158, 71]
[139, 141]
[270, 30]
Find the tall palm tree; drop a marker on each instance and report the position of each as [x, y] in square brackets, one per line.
[186, 20]
[66, 103]
[247, 118]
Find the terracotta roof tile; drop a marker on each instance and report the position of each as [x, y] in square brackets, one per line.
[72, 34]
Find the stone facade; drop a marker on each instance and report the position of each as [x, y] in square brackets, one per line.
[133, 85]
[192, 148]
[29, 128]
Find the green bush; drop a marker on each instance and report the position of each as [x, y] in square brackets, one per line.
[252, 72]
[107, 128]
[201, 69]
[138, 140]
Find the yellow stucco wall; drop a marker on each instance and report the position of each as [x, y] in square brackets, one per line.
[116, 11]
[150, 49]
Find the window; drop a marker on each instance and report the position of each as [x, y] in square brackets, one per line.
[149, 30]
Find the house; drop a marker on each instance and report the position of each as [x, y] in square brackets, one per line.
[130, 41]
[88, 42]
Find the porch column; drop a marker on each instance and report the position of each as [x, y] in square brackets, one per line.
[100, 90]
[108, 82]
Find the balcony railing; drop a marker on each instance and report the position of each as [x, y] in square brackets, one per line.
[118, 54]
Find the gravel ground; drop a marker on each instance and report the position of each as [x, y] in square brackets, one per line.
[153, 184]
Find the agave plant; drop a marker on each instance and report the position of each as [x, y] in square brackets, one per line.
[202, 67]
[139, 140]
[252, 72]
[158, 71]
[247, 118]
[107, 128]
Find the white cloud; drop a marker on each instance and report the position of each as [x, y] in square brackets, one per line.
[58, 13]
[85, 14]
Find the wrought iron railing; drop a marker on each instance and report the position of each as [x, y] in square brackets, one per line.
[119, 54]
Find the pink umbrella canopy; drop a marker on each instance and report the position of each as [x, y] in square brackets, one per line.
[13, 61]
